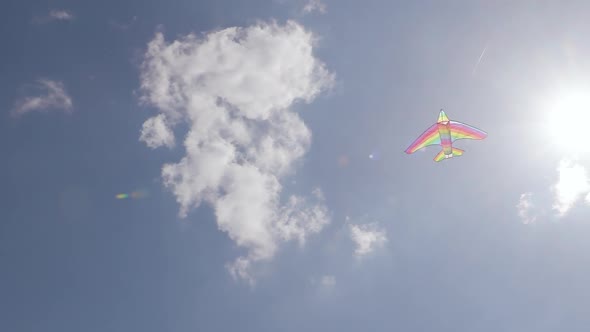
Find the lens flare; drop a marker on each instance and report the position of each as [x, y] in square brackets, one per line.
[133, 195]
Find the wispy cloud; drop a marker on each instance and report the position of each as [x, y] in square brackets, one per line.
[233, 89]
[571, 186]
[46, 95]
[367, 238]
[325, 282]
[61, 15]
[525, 208]
[123, 25]
[55, 15]
[328, 281]
[314, 6]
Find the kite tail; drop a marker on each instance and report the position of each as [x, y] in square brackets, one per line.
[442, 156]
[457, 152]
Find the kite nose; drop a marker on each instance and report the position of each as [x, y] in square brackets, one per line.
[442, 117]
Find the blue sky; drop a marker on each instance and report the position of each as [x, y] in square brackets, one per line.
[261, 144]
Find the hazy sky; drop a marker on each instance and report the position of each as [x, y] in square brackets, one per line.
[239, 165]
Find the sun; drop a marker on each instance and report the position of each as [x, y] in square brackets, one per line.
[569, 121]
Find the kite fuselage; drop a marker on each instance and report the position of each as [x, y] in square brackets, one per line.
[444, 131]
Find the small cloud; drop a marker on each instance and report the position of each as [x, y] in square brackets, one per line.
[49, 95]
[367, 238]
[241, 269]
[55, 15]
[524, 207]
[314, 6]
[571, 186]
[156, 132]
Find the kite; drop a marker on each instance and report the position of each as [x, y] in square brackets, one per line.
[444, 132]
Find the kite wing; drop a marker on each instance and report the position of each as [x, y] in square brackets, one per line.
[428, 137]
[463, 131]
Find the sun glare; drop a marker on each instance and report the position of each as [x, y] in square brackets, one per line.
[569, 119]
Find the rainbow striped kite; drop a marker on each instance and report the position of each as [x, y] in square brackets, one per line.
[444, 133]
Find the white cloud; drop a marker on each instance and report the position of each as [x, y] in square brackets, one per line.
[367, 238]
[314, 5]
[54, 15]
[524, 207]
[571, 186]
[156, 132]
[233, 88]
[49, 95]
[61, 15]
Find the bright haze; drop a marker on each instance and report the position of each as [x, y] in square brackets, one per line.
[239, 166]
